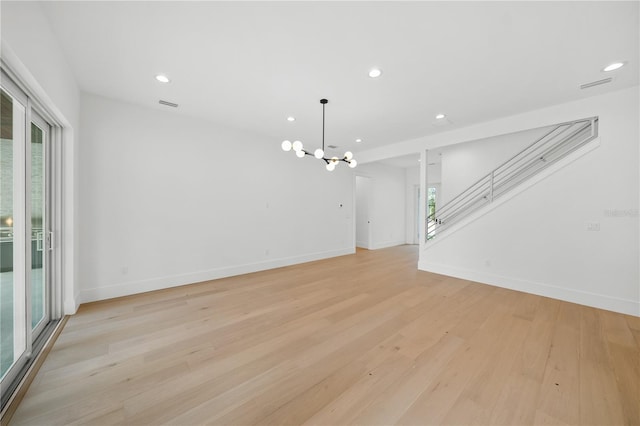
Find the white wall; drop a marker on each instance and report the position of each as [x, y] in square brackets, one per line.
[412, 180]
[387, 207]
[538, 242]
[169, 200]
[434, 171]
[30, 50]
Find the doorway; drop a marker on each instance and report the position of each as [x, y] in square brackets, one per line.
[363, 212]
[25, 233]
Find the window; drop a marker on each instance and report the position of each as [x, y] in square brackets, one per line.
[431, 213]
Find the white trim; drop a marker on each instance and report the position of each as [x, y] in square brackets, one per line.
[362, 244]
[601, 301]
[415, 222]
[159, 283]
[386, 244]
[66, 234]
[55, 225]
[424, 155]
[27, 224]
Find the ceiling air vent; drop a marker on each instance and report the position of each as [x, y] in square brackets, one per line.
[596, 83]
[171, 104]
[332, 146]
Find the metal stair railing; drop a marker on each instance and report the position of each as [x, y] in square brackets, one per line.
[559, 142]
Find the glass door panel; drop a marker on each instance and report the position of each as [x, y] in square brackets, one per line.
[13, 330]
[39, 311]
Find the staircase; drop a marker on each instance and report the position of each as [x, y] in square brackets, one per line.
[559, 142]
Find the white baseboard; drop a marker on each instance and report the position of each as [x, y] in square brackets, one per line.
[159, 283]
[362, 244]
[71, 304]
[386, 244]
[624, 306]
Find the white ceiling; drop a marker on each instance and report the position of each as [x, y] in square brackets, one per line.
[404, 162]
[250, 65]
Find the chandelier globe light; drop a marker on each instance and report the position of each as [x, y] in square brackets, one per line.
[330, 163]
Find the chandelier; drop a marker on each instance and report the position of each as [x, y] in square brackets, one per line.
[330, 163]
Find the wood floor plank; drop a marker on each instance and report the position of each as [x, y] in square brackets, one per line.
[514, 403]
[532, 359]
[362, 339]
[391, 404]
[436, 401]
[600, 401]
[520, 397]
[384, 369]
[560, 388]
[626, 365]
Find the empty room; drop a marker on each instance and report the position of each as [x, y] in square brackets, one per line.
[320, 213]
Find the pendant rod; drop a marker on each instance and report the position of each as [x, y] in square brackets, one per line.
[323, 102]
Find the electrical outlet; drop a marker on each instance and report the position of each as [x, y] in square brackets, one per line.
[592, 226]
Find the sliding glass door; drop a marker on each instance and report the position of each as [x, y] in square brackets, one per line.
[25, 292]
[39, 289]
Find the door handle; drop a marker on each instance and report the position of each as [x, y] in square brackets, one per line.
[49, 240]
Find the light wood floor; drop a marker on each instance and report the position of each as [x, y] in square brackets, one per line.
[362, 339]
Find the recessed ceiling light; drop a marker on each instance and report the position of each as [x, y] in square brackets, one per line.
[613, 66]
[290, 118]
[440, 116]
[375, 73]
[358, 140]
[162, 78]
